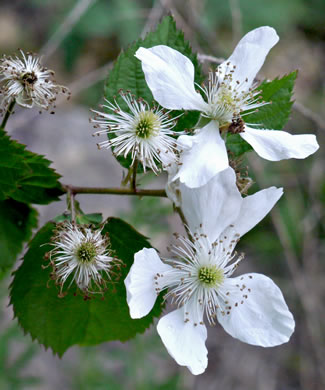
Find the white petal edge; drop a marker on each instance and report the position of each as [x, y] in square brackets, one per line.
[204, 159]
[140, 282]
[263, 318]
[276, 145]
[184, 341]
[249, 55]
[255, 207]
[170, 77]
[215, 205]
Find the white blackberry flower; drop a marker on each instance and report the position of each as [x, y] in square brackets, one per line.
[144, 133]
[27, 82]
[230, 94]
[200, 281]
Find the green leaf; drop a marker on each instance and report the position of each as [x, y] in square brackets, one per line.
[279, 92]
[271, 116]
[236, 145]
[127, 72]
[16, 223]
[59, 323]
[26, 176]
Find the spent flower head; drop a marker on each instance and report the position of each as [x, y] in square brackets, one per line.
[144, 133]
[83, 254]
[25, 80]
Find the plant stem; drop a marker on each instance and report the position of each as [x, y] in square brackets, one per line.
[184, 222]
[134, 175]
[114, 191]
[7, 114]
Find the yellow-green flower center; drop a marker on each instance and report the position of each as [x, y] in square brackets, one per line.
[211, 276]
[86, 252]
[148, 125]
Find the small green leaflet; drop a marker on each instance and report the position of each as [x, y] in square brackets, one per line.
[271, 116]
[16, 223]
[279, 92]
[26, 176]
[59, 323]
[127, 71]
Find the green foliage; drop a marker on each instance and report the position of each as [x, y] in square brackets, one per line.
[59, 323]
[271, 116]
[145, 211]
[97, 367]
[11, 370]
[127, 71]
[25, 176]
[16, 223]
[236, 145]
[279, 92]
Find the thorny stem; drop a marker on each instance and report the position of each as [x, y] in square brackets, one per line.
[114, 191]
[8, 113]
[70, 196]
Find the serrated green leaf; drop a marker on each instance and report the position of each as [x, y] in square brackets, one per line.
[279, 92]
[59, 323]
[16, 223]
[271, 116]
[26, 176]
[127, 72]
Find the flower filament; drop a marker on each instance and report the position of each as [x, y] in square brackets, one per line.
[228, 98]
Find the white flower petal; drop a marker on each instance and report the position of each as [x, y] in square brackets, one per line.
[140, 282]
[170, 76]
[263, 318]
[184, 341]
[206, 157]
[255, 207]
[249, 54]
[276, 145]
[215, 205]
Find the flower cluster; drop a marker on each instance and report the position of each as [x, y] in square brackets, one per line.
[198, 279]
[25, 81]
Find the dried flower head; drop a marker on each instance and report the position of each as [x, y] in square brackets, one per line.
[26, 81]
[83, 254]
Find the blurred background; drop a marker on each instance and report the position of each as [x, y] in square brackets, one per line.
[80, 40]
